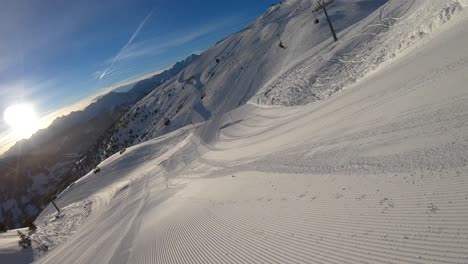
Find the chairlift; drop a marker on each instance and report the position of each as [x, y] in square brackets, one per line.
[280, 42]
[316, 21]
[281, 45]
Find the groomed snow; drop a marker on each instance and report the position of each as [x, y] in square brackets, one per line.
[375, 174]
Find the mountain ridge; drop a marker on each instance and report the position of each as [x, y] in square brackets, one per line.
[47, 157]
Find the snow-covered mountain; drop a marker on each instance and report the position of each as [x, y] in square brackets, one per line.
[36, 168]
[250, 66]
[246, 157]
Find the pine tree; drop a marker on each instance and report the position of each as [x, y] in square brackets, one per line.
[24, 241]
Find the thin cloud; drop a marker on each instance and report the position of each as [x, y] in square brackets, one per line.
[6, 141]
[122, 63]
[82, 104]
[130, 41]
[148, 48]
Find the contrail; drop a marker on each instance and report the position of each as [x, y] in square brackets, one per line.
[135, 34]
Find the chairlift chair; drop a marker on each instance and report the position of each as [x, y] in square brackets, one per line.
[316, 21]
[281, 45]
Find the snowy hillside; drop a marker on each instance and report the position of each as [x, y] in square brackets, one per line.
[37, 168]
[382, 36]
[106, 145]
[376, 173]
[251, 67]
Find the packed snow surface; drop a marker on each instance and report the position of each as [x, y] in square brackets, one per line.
[377, 173]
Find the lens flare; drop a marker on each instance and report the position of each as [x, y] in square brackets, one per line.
[22, 119]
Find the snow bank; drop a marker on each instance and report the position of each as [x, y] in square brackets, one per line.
[54, 230]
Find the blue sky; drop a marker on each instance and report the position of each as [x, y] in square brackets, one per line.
[55, 53]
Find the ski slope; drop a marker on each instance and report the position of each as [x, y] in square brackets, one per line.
[375, 174]
[235, 69]
[249, 66]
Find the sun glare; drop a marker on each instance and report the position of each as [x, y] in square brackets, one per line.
[22, 119]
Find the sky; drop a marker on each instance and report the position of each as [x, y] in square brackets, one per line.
[57, 55]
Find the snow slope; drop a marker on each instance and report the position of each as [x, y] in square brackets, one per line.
[235, 69]
[385, 34]
[375, 174]
[249, 66]
[36, 169]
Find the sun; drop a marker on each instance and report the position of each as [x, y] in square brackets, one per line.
[22, 119]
